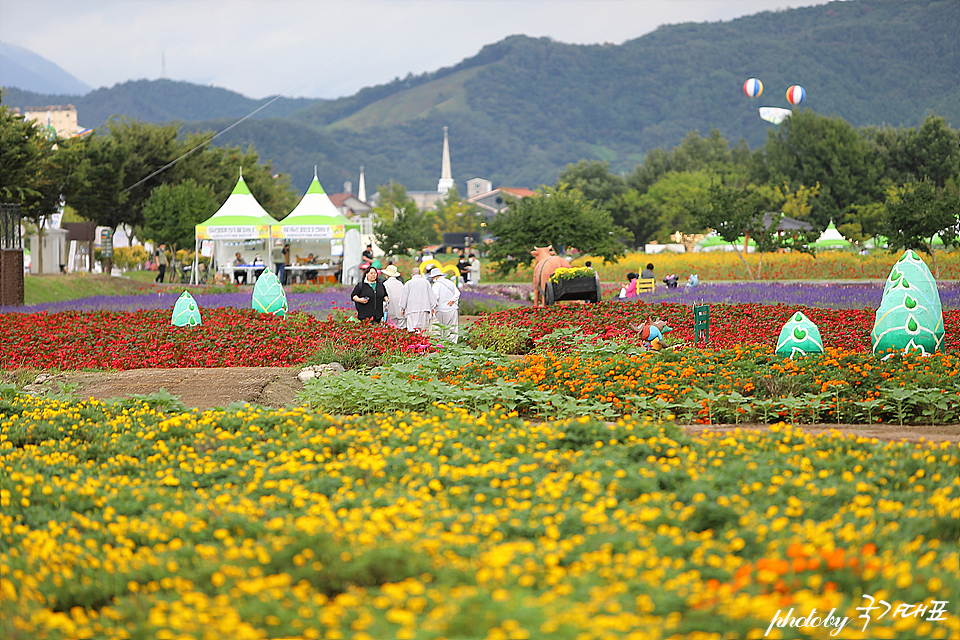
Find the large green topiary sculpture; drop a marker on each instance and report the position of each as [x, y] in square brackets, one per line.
[269, 296]
[910, 317]
[186, 313]
[799, 337]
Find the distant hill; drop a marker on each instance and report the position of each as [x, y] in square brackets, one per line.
[523, 108]
[158, 101]
[28, 71]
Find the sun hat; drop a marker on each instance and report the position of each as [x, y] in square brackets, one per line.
[391, 271]
[435, 273]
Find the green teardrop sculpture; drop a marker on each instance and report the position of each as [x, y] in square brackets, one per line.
[269, 296]
[799, 336]
[185, 312]
[910, 317]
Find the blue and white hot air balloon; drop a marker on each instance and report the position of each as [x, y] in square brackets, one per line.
[752, 87]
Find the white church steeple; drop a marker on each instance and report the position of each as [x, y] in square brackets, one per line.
[362, 188]
[446, 175]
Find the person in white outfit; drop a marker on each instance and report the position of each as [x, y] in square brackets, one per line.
[394, 289]
[417, 302]
[448, 306]
[474, 270]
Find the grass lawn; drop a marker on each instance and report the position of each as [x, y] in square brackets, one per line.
[39, 289]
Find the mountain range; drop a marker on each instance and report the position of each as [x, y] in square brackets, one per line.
[523, 108]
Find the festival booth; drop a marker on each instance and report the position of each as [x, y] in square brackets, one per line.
[831, 239]
[241, 226]
[317, 228]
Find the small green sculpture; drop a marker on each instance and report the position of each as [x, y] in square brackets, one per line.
[910, 317]
[269, 296]
[799, 337]
[186, 313]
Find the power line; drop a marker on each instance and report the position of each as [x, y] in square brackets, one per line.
[330, 62]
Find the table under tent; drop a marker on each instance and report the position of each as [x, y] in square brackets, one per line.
[241, 226]
[317, 228]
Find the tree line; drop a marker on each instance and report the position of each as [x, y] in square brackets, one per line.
[149, 178]
[159, 182]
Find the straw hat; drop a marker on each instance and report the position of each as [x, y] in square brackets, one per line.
[391, 271]
[435, 273]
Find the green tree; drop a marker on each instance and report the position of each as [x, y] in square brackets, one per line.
[456, 215]
[173, 211]
[671, 201]
[918, 212]
[929, 152]
[58, 162]
[556, 216]
[400, 227]
[21, 149]
[863, 222]
[640, 220]
[694, 153]
[739, 211]
[123, 164]
[808, 149]
[595, 181]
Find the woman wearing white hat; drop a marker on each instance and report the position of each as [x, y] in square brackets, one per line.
[394, 289]
[448, 305]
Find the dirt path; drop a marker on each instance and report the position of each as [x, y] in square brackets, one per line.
[200, 388]
[278, 387]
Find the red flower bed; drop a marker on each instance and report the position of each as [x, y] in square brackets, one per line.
[146, 339]
[730, 324]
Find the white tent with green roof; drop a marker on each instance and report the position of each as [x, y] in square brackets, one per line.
[713, 242]
[831, 239]
[241, 226]
[317, 227]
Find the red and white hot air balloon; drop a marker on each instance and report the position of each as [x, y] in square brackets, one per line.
[795, 94]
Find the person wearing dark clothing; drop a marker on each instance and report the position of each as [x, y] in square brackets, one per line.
[463, 266]
[368, 253]
[161, 256]
[648, 272]
[370, 297]
[239, 275]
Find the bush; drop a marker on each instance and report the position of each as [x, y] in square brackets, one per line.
[502, 339]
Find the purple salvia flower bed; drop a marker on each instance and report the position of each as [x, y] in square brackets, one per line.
[318, 302]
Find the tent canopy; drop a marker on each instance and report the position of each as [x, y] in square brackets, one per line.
[240, 218]
[314, 218]
[831, 239]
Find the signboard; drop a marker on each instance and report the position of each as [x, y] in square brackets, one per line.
[336, 247]
[233, 232]
[106, 243]
[312, 231]
[206, 248]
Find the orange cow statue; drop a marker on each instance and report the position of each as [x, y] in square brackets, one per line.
[545, 262]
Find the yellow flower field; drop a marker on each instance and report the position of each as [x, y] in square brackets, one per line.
[724, 265]
[121, 521]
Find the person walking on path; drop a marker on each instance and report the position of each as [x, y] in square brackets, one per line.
[369, 297]
[474, 270]
[448, 306]
[282, 262]
[394, 289]
[162, 263]
[463, 267]
[417, 302]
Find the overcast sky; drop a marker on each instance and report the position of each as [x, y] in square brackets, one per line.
[319, 48]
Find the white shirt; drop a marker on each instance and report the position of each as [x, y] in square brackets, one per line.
[446, 292]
